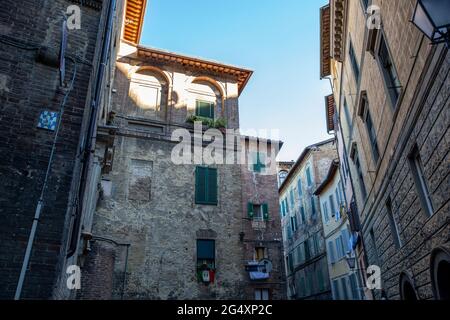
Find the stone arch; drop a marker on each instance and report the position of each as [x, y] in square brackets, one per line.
[407, 288]
[211, 82]
[440, 273]
[155, 70]
[150, 93]
[216, 88]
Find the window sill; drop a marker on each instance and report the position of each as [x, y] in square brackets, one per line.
[211, 204]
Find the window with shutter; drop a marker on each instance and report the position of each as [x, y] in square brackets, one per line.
[345, 240]
[206, 186]
[389, 72]
[335, 289]
[344, 288]
[308, 177]
[299, 188]
[289, 229]
[320, 279]
[302, 213]
[313, 206]
[206, 255]
[204, 109]
[331, 252]
[354, 286]
[307, 250]
[265, 211]
[259, 162]
[302, 287]
[332, 205]
[325, 211]
[250, 210]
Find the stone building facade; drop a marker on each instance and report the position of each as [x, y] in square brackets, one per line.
[34, 96]
[344, 279]
[283, 170]
[261, 226]
[178, 229]
[304, 245]
[391, 90]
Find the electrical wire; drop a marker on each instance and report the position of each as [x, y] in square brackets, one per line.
[44, 186]
[35, 47]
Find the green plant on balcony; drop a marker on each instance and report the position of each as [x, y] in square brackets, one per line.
[220, 123]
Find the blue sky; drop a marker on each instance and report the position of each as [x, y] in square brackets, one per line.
[277, 39]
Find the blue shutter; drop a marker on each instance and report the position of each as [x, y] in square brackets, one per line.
[299, 186]
[308, 177]
[345, 240]
[331, 252]
[325, 211]
[313, 206]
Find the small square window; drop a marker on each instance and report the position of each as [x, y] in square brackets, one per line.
[260, 253]
[204, 109]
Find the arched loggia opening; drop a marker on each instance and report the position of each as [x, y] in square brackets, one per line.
[207, 98]
[440, 273]
[149, 91]
[407, 291]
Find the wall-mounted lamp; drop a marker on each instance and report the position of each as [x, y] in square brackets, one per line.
[433, 19]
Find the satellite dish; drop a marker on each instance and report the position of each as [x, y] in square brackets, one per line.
[265, 266]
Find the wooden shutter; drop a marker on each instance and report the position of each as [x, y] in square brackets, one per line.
[331, 252]
[200, 185]
[211, 110]
[250, 212]
[206, 186]
[265, 209]
[212, 186]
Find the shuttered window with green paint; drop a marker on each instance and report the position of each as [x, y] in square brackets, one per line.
[258, 212]
[320, 279]
[265, 210]
[206, 186]
[204, 109]
[259, 162]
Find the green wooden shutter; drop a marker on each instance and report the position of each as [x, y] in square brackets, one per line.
[200, 185]
[197, 108]
[211, 110]
[250, 210]
[265, 209]
[212, 186]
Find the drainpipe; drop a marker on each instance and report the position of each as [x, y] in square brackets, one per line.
[91, 135]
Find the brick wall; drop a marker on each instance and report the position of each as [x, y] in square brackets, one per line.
[260, 188]
[26, 89]
[97, 275]
[420, 116]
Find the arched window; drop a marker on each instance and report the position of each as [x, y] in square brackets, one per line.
[205, 99]
[440, 274]
[407, 291]
[149, 94]
[282, 176]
